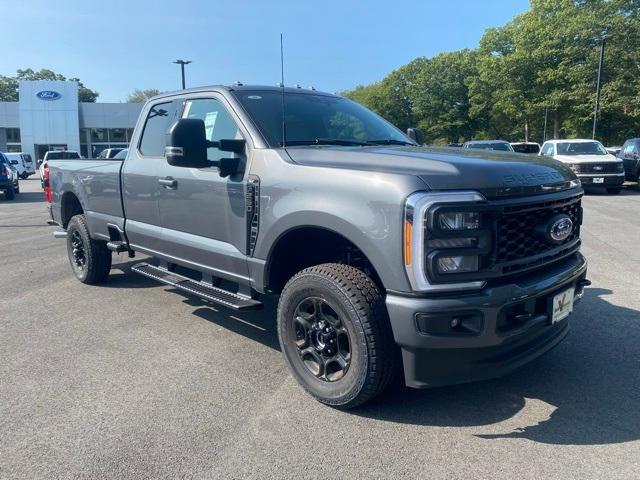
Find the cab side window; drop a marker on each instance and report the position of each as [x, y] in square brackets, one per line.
[218, 123]
[547, 150]
[153, 138]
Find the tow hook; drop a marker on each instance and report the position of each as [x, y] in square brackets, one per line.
[60, 234]
[580, 288]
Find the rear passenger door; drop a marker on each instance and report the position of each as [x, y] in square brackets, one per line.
[140, 176]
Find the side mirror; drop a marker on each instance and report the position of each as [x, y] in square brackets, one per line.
[187, 144]
[415, 135]
[187, 147]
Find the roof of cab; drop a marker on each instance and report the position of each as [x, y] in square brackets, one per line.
[241, 87]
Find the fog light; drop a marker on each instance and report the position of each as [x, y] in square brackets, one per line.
[459, 220]
[458, 264]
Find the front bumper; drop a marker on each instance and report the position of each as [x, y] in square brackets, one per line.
[496, 344]
[609, 180]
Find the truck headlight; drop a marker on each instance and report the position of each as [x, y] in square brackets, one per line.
[458, 264]
[620, 167]
[434, 223]
[459, 220]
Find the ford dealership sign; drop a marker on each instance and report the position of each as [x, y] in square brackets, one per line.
[48, 95]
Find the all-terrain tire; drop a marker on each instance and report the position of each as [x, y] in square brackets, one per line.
[359, 304]
[93, 263]
[9, 194]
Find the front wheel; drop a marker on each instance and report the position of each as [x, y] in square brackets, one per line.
[9, 193]
[335, 334]
[90, 259]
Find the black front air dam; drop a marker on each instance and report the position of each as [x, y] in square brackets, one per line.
[465, 355]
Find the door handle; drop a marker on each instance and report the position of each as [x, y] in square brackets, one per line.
[168, 182]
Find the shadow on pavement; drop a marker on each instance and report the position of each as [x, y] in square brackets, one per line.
[257, 325]
[126, 278]
[584, 392]
[25, 197]
[590, 384]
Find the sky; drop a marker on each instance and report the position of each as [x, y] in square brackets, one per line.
[116, 46]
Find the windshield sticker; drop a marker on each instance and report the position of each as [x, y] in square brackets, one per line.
[210, 123]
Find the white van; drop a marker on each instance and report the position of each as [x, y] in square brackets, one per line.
[22, 162]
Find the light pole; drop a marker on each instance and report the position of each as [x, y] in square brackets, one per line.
[182, 63]
[602, 37]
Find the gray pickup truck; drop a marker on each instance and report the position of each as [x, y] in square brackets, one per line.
[442, 265]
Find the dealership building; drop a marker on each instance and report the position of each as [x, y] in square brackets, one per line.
[48, 116]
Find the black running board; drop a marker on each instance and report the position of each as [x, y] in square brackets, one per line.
[199, 289]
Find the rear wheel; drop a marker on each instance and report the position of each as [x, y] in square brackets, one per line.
[614, 191]
[335, 334]
[90, 259]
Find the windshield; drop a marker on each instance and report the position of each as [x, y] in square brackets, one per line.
[500, 146]
[121, 154]
[526, 148]
[317, 120]
[62, 155]
[581, 148]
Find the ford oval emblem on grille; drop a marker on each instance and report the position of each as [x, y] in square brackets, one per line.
[48, 95]
[558, 228]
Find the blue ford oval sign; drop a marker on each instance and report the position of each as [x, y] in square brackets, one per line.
[48, 95]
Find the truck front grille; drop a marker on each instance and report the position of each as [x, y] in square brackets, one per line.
[608, 167]
[519, 245]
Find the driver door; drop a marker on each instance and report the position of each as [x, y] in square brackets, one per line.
[202, 214]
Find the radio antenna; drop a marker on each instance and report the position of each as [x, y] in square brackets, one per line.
[284, 128]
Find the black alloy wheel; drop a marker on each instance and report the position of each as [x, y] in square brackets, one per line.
[322, 340]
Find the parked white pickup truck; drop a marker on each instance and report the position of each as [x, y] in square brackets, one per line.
[594, 166]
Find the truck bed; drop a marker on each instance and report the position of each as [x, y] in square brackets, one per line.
[96, 184]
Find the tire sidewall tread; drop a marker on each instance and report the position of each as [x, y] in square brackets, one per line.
[98, 256]
[361, 300]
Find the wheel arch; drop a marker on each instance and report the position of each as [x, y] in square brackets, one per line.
[287, 247]
[69, 206]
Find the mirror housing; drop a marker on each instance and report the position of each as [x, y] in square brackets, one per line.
[187, 144]
[415, 135]
[187, 147]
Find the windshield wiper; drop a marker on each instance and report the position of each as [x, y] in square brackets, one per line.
[326, 141]
[388, 141]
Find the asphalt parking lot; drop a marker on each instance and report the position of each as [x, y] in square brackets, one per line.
[133, 380]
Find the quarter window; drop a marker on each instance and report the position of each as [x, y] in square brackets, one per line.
[218, 124]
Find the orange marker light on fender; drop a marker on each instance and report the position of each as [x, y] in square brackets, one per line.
[407, 242]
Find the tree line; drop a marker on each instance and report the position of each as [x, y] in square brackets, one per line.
[539, 70]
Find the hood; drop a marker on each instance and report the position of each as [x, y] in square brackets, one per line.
[587, 158]
[494, 174]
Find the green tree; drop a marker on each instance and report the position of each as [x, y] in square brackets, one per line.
[141, 96]
[440, 97]
[9, 85]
